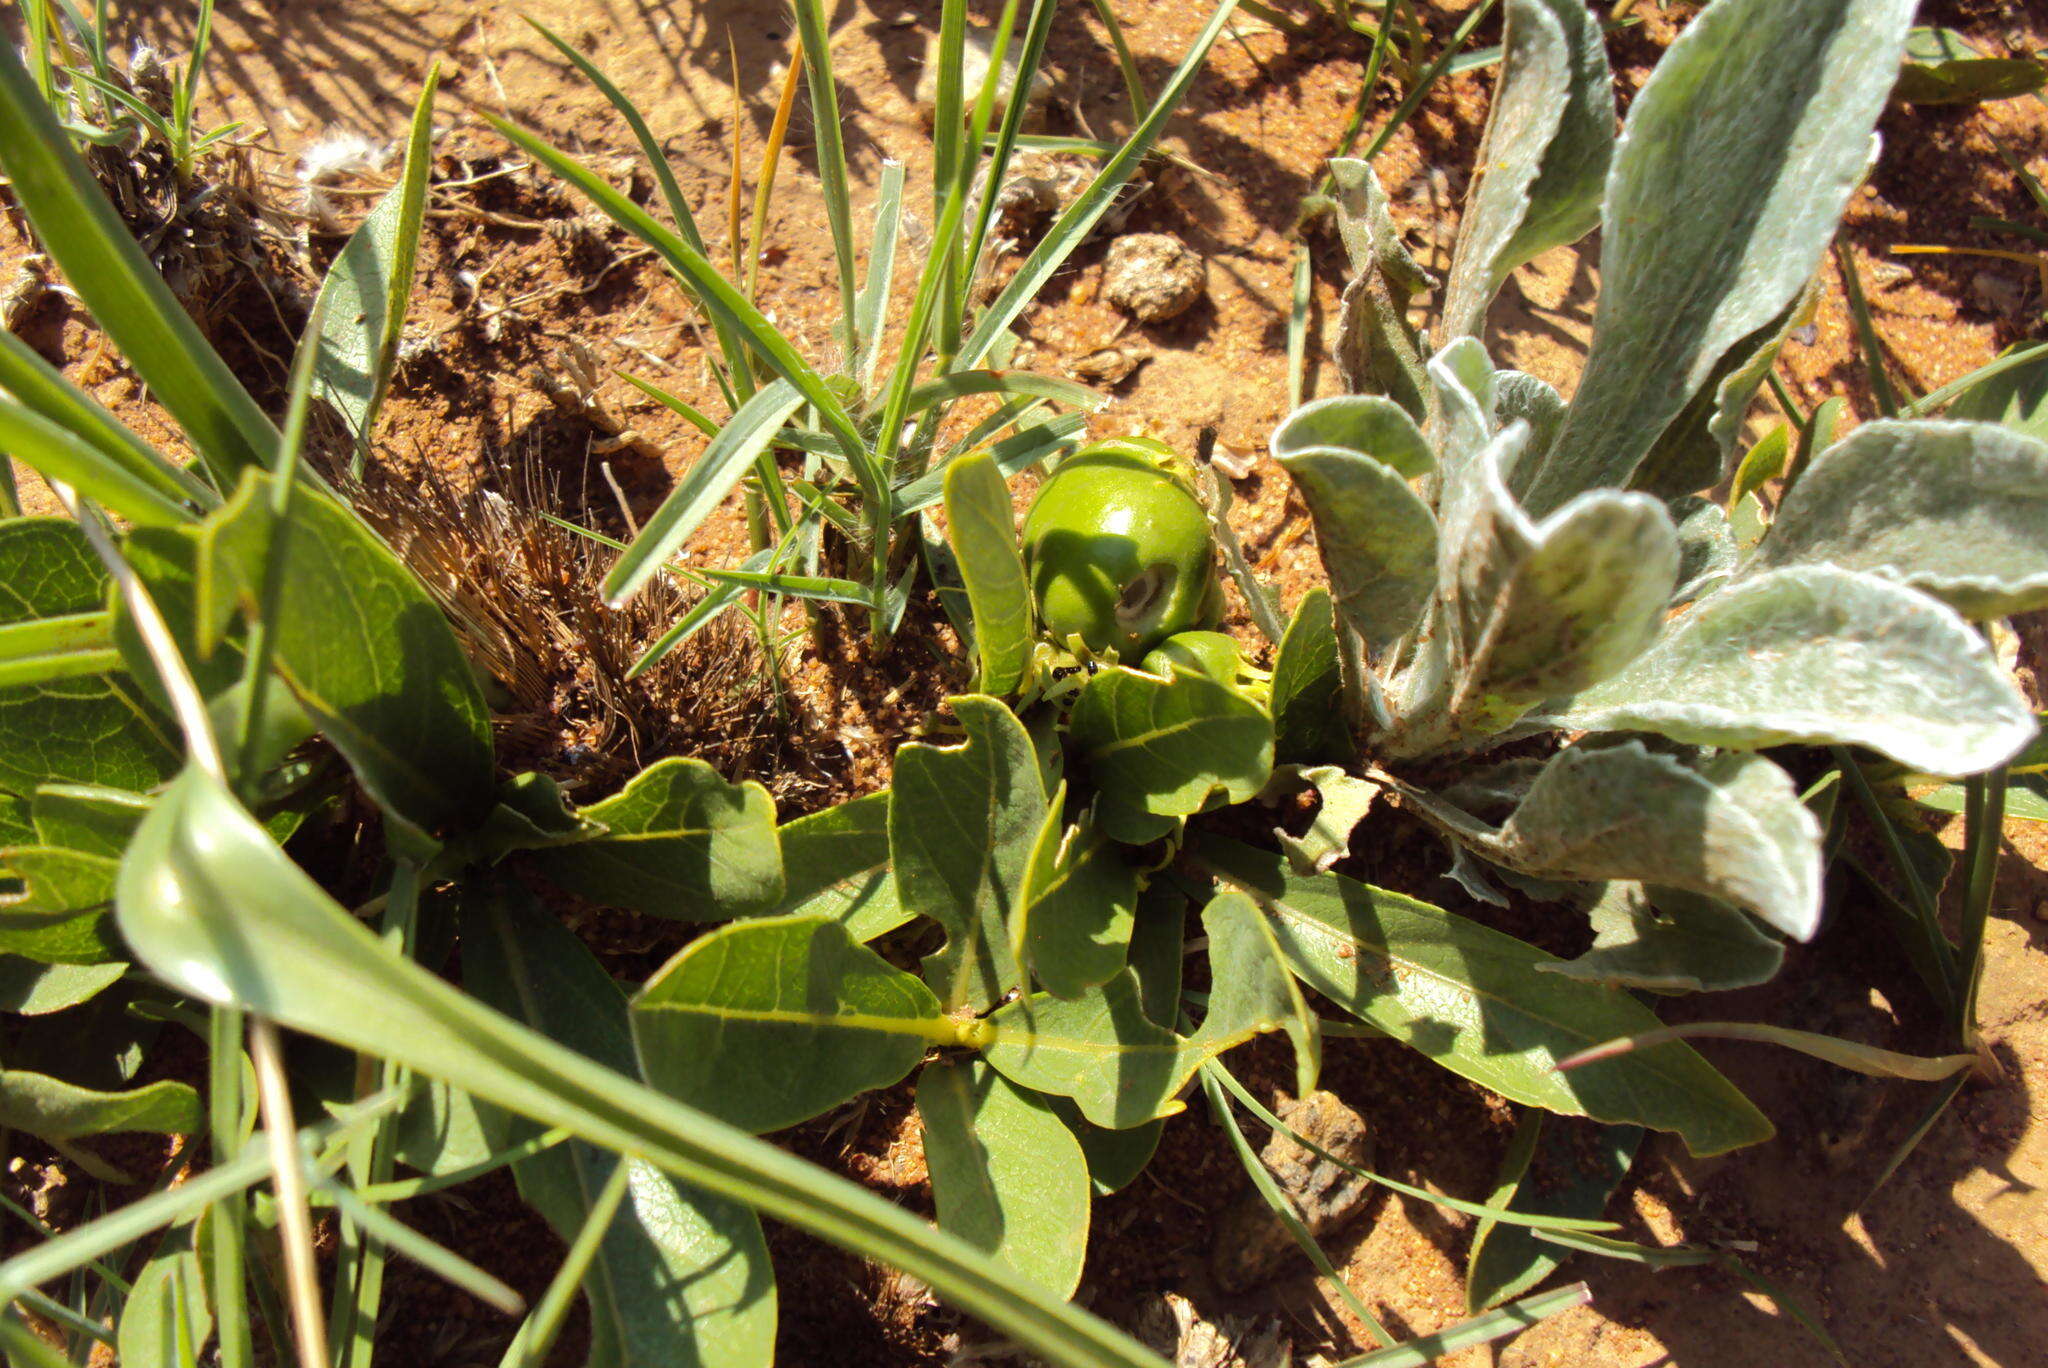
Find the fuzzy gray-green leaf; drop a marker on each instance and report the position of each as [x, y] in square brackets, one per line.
[1957, 509]
[1668, 940]
[1549, 139]
[1817, 654]
[1733, 168]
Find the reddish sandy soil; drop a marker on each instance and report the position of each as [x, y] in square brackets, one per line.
[1946, 1264]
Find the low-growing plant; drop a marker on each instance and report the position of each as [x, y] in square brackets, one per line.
[1536, 636]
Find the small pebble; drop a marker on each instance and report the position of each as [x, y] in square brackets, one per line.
[1152, 276]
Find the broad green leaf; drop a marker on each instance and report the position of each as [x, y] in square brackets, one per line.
[200, 868]
[680, 842]
[1734, 165]
[1762, 463]
[1007, 1175]
[1942, 68]
[56, 1110]
[55, 880]
[982, 529]
[364, 297]
[1167, 746]
[1959, 510]
[15, 826]
[770, 1021]
[1670, 940]
[79, 228]
[1731, 827]
[165, 1321]
[1115, 1157]
[680, 1277]
[34, 989]
[1120, 1067]
[836, 864]
[1473, 1000]
[1073, 923]
[91, 730]
[962, 823]
[702, 489]
[1252, 989]
[1569, 1173]
[443, 1129]
[1308, 687]
[1819, 655]
[82, 938]
[2016, 397]
[1543, 164]
[365, 650]
[1377, 538]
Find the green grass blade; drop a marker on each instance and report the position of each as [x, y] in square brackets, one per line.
[719, 296]
[818, 589]
[1496, 1324]
[442, 1262]
[82, 233]
[1867, 336]
[701, 491]
[960, 384]
[1134, 82]
[665, 178]
[199, 866]
[56, 454]
[830, 150]
[1080, 217]
[40, 387]
[949, 105]
[1937, 399]
[1018, 451]
[530, 1346]
[1412, 101]
[701, 615]
[1036, 31]
[689, 413]
[873, 307]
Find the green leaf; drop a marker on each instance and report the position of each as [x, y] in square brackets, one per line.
[1120, 1067]
[2016, 397]
[699, 493]
[200, 867]
[79, 228]
[364, 649]
[56, 1110]
[1167, 746]
[1077, 905]
[1575, 1175]
[962, 823]
[680, 1276]
[1543, 164]
[1670, 940]
[165, 1321]
[1007, 1175]
[982, 529]
[364, 297]
[1345, 799]
[836, 863]
[56, 880]
[770, 1021]
[1308, 687]
[1959, 510]
[1730, 827]
[1819, 655]
[1762, 463]
[1942, 68]
[1377, 537]
[1115, 1157]
[58, 455]
[38, 989]
[680, 842]
[82, 730]
[1473, 1000]
[85, 817]
[1733, 168]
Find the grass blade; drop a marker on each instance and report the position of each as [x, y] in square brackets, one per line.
[530, 1346]
[57, 454]
[700, 492]
[83, 235]
[1018, 451]
[1134, 83]
[830, 151]
[1496, 1324]
[873, 306]
[444, 1263]
[1844, 1054]
[1080, 217]
[42, 389]
[962, 383]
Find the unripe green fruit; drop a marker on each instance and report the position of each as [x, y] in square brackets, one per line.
[1119, 550]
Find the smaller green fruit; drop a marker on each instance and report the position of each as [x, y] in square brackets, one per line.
[1119, 550]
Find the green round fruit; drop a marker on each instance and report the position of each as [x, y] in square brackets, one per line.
[1119, 550]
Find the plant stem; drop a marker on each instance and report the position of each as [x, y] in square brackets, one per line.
[1983, 825]
[1921, 901]
[230, 1252]
[294, 1220]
